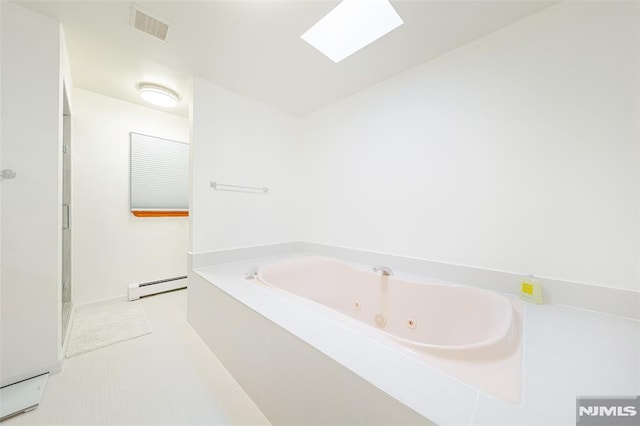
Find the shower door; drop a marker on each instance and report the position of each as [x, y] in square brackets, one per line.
[66, 217]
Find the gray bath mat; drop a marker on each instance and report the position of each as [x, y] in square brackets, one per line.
[109, 325]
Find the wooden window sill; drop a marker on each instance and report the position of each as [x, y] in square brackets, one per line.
[160, 213]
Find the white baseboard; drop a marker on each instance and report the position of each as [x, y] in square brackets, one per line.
[99, 303]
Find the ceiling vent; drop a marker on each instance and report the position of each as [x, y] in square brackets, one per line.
[145, 22]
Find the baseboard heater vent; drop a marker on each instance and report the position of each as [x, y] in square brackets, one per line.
[136, 291]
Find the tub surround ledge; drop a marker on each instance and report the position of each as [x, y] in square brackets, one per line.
[560, 344]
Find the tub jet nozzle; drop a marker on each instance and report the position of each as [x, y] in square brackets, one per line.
[380, 320]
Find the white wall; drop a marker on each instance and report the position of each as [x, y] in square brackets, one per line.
[239, 141]
[111, 247]
[31, 121]
[517, 152]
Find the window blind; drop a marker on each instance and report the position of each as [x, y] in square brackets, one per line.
[159, 174]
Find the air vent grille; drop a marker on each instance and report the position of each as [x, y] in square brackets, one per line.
[148, 24]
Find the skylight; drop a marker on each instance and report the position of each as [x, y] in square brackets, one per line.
[352, 25]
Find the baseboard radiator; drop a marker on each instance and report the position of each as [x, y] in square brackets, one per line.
[136, 291]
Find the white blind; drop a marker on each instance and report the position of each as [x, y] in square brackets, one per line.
[159, 173]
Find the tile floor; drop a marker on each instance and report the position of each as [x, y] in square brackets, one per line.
[168, 377]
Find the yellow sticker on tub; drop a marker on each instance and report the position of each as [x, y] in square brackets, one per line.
[527, 288]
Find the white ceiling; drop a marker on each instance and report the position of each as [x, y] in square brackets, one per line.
[254, 47]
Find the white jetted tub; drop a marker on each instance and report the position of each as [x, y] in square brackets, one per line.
[434, 316]
[470, 333]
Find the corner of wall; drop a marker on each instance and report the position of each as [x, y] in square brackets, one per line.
[65, 71]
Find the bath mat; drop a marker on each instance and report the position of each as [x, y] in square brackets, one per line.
[109, 325]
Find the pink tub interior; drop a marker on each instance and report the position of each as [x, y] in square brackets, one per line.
[434, 316]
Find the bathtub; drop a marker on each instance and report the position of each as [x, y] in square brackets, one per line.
[472, 334]
[334, 334]
[425, 316]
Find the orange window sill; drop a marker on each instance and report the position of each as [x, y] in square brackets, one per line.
[143, 213]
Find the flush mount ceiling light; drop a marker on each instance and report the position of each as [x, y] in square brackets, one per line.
[158, 95]
[352, 25]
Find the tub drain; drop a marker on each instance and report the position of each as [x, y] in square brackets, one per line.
[356, 306]
[381, 321]
[411, 323]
